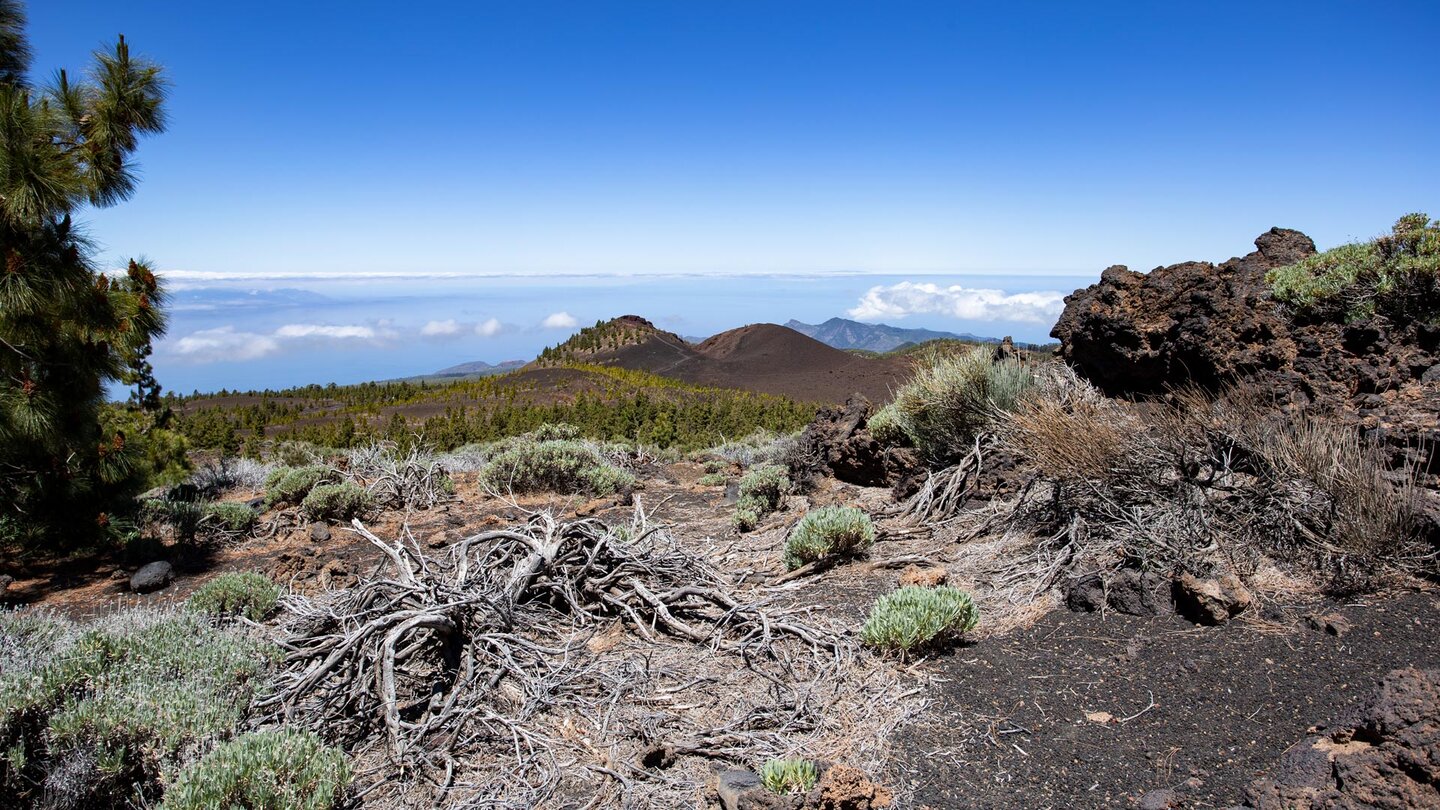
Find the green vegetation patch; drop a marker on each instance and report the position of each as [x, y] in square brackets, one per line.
[789, 776]
[292, 484]
[760, 492]
[99, 711]
[230, 516]
[1397, 275]
[911, 617]
[337, 502]
[538, 463]
[953, 398]
[274, 769]
[841, 531]
[245, 594]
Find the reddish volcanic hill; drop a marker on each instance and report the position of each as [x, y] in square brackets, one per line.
[765, 357]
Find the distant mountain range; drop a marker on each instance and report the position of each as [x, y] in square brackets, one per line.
[876, 337]
[479, 368]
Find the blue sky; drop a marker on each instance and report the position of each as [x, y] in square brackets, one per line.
[909, 140]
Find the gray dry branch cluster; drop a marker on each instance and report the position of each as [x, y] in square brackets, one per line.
[503, 675]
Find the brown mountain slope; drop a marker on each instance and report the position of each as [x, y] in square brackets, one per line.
[765, 358]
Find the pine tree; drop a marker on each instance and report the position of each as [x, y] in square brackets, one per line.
[67, 331]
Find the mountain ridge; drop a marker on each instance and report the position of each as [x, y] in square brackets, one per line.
[842, 333]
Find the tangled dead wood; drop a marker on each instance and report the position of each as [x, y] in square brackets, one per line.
[470, 673]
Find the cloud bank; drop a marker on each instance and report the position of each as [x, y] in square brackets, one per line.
[909, 298]
[225, 343]
[560, 320]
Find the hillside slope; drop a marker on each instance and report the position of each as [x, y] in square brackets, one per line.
[764, 358]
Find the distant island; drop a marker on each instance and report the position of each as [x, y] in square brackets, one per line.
[841, 333]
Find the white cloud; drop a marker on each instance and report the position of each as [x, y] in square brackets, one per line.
[908, 298]
[489, 328]
[307, 330]
[560, 320]
[448, 328]
[225, 343]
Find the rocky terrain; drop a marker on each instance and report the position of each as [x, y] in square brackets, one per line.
[1191, 566]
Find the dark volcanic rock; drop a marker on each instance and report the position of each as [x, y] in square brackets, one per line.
[1136, 333]
[838, 442]
[1128, 591]
[1385, 756]
[1197, 323]
[152, 577]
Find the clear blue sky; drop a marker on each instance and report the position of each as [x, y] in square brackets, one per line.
[894, 138]
[764, 136]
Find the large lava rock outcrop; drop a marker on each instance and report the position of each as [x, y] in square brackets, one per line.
[1197, 323]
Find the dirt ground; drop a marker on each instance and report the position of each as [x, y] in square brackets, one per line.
[1051, 710]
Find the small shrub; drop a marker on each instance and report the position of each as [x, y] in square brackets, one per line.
[230, 517]
[291, 484]
[278, 769]
[553, 465]
[746, 517]
[910, 617]
[245, 594]
[714, 479]
[760, 492]
[787, 776]
[335, 502]
[1397, 275]
[760, 447]
[885, 426]
[955, 397]
[838, 530]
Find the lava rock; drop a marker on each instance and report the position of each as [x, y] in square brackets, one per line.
[928, 576]
[1329, 623]
[837, 442]
[1132, 592]
[1211, 601]
[1386, 755]
[319, 532]
[842, 787]
[152, 577]
[1159, 800]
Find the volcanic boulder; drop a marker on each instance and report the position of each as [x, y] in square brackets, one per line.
[1385, 756]
[1197, 323]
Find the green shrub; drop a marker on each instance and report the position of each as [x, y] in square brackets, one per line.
[785, 776]
[93, 714]
[335, 502]
[747, 517]
[245, 594]
[885, 426]
[714, 479]
[230, 516]
[279, 769]
[912, 616]
[760, 492]
[955, 397]
[553, 465]
[1397, 275]
[838, 530]
[292, 484]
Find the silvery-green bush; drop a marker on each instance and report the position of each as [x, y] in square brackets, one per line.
[245, 594]
[830, 530]
[338, 502]
[911, 617]
[93, 715]
[273, 769]
[955, 397]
